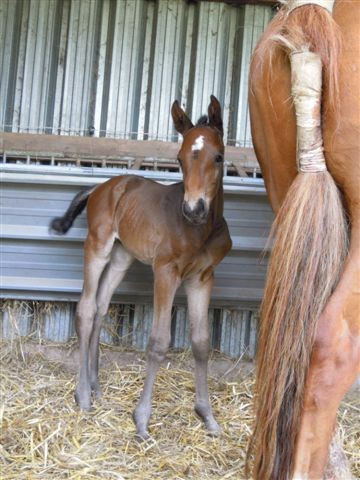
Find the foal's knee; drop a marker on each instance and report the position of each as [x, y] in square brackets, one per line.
[85, 313]
[200, 348]
[102, 309]
[157, 347]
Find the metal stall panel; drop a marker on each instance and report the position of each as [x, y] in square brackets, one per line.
[256, 19]
[38, 265]
[79, 77]
[7, 60]
[113, 68]
[41, 274]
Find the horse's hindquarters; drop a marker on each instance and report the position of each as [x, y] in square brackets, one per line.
[341, 129]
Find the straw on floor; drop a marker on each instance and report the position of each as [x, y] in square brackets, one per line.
[45, 436]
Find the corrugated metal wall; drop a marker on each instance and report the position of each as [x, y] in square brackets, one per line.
[115, 66]
[37, 266]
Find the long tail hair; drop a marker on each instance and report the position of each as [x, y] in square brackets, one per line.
[310, 245]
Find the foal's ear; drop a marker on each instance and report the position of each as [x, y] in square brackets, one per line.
[214, 113]
[181, 120]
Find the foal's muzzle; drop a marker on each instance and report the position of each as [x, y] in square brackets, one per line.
[197, 214]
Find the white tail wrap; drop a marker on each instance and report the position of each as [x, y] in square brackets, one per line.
[328, 4]
[306, 86]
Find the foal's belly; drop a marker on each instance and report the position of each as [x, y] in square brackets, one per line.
[139, 235]
[150, 241]
[140, 248]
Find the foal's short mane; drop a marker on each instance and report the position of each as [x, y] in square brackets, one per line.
[203, 121]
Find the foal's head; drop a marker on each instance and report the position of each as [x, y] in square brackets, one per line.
[201, 157]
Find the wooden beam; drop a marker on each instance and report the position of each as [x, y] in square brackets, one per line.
[61, 146]
[238, 3]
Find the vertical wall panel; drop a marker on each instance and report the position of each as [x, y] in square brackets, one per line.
[114, 67]
[167, 61]
[79, 68]
[9, 49]
[125, 65]
[6, 10]
[59, 67]
[34, 97]
[256, 19]
[149, 29]
[99, 93]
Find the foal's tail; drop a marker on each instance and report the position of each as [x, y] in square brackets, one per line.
[61, 225]
[310, 244]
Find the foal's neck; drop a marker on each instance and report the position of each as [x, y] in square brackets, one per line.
[217, 206]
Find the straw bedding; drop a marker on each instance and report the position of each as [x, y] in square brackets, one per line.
[44, 436]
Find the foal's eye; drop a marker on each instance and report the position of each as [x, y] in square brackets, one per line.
[219, 158]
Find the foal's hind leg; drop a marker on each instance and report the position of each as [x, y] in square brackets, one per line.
[96, 256]
[115, 271]
[198, 294]
[166, 284]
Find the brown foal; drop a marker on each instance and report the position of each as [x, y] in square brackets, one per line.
[179, 230]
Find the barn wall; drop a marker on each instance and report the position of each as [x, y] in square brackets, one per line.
[113, 68]
[39, 265]
[39, 269]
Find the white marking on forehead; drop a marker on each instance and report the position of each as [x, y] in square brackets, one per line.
[198, 144]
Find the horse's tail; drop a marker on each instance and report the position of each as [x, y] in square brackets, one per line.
[61, 225]
[310, 245]
[307, 26]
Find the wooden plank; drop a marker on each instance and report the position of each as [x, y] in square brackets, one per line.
[238, 3]
[107, 148]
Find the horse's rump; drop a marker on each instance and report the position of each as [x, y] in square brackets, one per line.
[309, 27]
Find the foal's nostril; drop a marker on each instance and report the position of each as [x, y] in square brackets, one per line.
[200, 206]
[186, 209]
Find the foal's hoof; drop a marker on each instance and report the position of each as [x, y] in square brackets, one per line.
[211, 425]
[84, 404]
[96, 392]
[142, 437]
[140, 421]
[213, 428]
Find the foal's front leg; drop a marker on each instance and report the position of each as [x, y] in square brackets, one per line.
[198, 294]
[166, 282]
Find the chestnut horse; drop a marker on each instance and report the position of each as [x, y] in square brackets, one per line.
[179, 230]
[306, 134]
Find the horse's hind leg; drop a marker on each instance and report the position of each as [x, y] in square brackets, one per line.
[96, 256]
[198, 294]
[335, 362]
[165, 286]
[114, 273]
